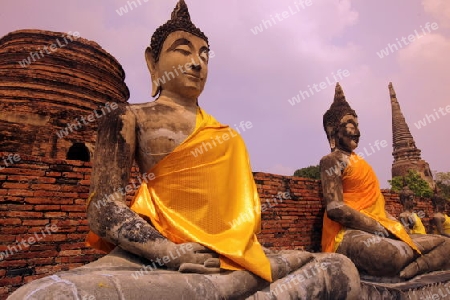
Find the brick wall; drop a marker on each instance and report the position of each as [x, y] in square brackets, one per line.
[296, 223]
[35, 194]
[44, 199]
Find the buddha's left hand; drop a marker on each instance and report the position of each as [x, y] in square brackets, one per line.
[210, 266]
[198, 259]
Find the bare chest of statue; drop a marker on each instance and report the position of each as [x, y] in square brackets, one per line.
[160, 128]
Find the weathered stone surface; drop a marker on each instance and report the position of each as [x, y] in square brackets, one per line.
[435, 285]
[122, 275]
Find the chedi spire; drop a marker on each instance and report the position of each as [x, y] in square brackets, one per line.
[406, 155]
[401, 136]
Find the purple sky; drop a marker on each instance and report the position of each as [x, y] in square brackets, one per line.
[253, 76]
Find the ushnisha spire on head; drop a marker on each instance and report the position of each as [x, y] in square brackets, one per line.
[338, 109]
[180, 21]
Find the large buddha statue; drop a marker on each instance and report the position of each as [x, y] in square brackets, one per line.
[178, 240]
[356, 223]
[411, 221]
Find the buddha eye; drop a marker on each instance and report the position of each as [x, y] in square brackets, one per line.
[183, 51]
[204, 56]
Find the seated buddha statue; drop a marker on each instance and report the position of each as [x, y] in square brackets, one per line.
[356, 223]
[441, 221]
[411, 221]
[178, 238]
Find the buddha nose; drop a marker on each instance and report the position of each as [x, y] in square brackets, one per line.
[196, 66]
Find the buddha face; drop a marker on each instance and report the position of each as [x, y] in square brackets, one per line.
[408, 201]
[348, 133]
[442, 206]
[182, 67]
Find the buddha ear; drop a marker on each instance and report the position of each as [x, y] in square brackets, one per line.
[331, 137]
[151, 65]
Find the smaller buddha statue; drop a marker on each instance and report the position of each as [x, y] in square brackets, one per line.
[356, 222]
[410, 220]
[441, 220]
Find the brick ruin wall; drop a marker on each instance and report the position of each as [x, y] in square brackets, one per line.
[39, 196]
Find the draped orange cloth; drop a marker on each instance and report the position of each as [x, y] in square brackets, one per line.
[204, 192]
[362, 193]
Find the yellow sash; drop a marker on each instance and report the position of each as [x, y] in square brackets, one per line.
[204, 192]
[446, 225]
[418, 225]
[362, 193]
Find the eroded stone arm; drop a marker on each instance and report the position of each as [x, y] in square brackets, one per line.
[333, 195]
[407, 221]
[108, 215]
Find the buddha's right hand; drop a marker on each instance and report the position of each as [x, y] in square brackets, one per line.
[190, 258]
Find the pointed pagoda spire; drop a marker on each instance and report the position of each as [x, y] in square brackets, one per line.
[401, 136]
[406, 154]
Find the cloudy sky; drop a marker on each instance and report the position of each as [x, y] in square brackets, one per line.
[267, 52]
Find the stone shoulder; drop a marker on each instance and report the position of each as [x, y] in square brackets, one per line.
[332, 158]
[139, 108]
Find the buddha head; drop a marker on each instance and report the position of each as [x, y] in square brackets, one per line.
[340, 123]
[407, 198]
[178, 56]
[439, 202]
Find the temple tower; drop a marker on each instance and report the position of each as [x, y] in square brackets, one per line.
[406, 155]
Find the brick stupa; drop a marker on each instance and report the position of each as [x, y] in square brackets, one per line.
[53, 91]
[49, 184]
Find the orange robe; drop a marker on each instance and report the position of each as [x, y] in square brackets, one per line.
[362, 193]
[204, 192]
